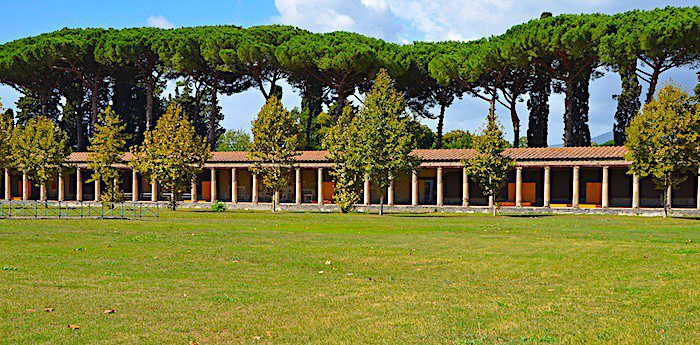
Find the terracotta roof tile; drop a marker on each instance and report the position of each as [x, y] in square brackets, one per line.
[545, 153]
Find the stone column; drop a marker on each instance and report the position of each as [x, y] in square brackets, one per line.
[61, 186]
[414, 188]
[491, 201]
[212, 178]
[234, 186]
[78, 184]
[605, 189]
[635, 191]
[390, 192]
[297, 185]
[547, 190]
[276, 195]
[465, 187]
[134, 186]
[25, 187]
[366, 189]
[154, 191]
[440, 189]
[98, 190]
[575, 193]
[193, 189]
[8, 185]
[319, 186]
[519, 187]
[255, 189]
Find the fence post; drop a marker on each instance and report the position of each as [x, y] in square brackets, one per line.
[36, 209]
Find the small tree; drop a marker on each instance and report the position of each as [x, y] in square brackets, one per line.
[6, 136]
[663, 140]
[40, 149]
[172, 154]
[106, 151]
[233, 140]
[375, 144]
[489, 167]
[277, 135]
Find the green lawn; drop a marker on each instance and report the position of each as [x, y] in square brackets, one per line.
[320, 278]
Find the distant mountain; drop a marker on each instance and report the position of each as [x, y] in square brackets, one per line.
[605, 137]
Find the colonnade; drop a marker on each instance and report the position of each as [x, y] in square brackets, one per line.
[366, 195]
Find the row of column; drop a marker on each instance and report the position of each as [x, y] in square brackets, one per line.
[254, 186]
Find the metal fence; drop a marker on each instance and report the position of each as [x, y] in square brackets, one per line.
[56, 209]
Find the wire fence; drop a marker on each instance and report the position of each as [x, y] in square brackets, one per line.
[60, 210]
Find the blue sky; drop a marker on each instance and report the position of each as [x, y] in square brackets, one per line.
[395, 20]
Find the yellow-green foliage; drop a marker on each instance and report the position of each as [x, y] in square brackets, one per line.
[376, 143]
[172, 154]
[489, 167]
[39, 149]
[663, 139]
[106, 151]
[276, 139]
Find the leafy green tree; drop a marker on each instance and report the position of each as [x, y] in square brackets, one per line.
[375, 144]
[234, 140]
[138, 47]
[425, 137]
[172, 154]
[106, 151]
[342, 61]
[489, 166]
[7, 131]
[40, 149]
[277, 136]
[663, 140]
[458, 139]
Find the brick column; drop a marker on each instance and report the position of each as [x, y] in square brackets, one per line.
[42, 192]
[134, 186]
[212, 178]
[440, 188]
[98, 190]
[297, 185]
[697, 202]
[605, 189]
[366, 189]
[78, 184]
[575, 194]
[414, 188]
[61, 186]
[390, 191]
[255, 189]
[465, 187]
[8, 185]
[519, 186]
[635, 191]
[319, 186]
[234, 186]
[154, 191]
[193, 189]
[25, 187]
[547, 190]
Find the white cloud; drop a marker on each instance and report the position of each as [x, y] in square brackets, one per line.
[159, 22]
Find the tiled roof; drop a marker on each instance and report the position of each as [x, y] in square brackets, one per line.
[523, 154]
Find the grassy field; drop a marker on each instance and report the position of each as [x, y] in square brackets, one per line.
[197, 277]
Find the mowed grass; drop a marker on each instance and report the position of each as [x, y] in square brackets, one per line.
[332, 278]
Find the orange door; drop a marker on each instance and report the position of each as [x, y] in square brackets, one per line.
[206, 190]
[593, 193]
[328, 189]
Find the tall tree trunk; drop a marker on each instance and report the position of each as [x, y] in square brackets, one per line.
[576, 131]
[440, 125]
[516, 123]
[79, 137]
[568, 108]
[93, 108]
[653, 81]
[213, 115]
[538, 105]
[628, 103]
[312, 104]
[149, 105]
[340, 104]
